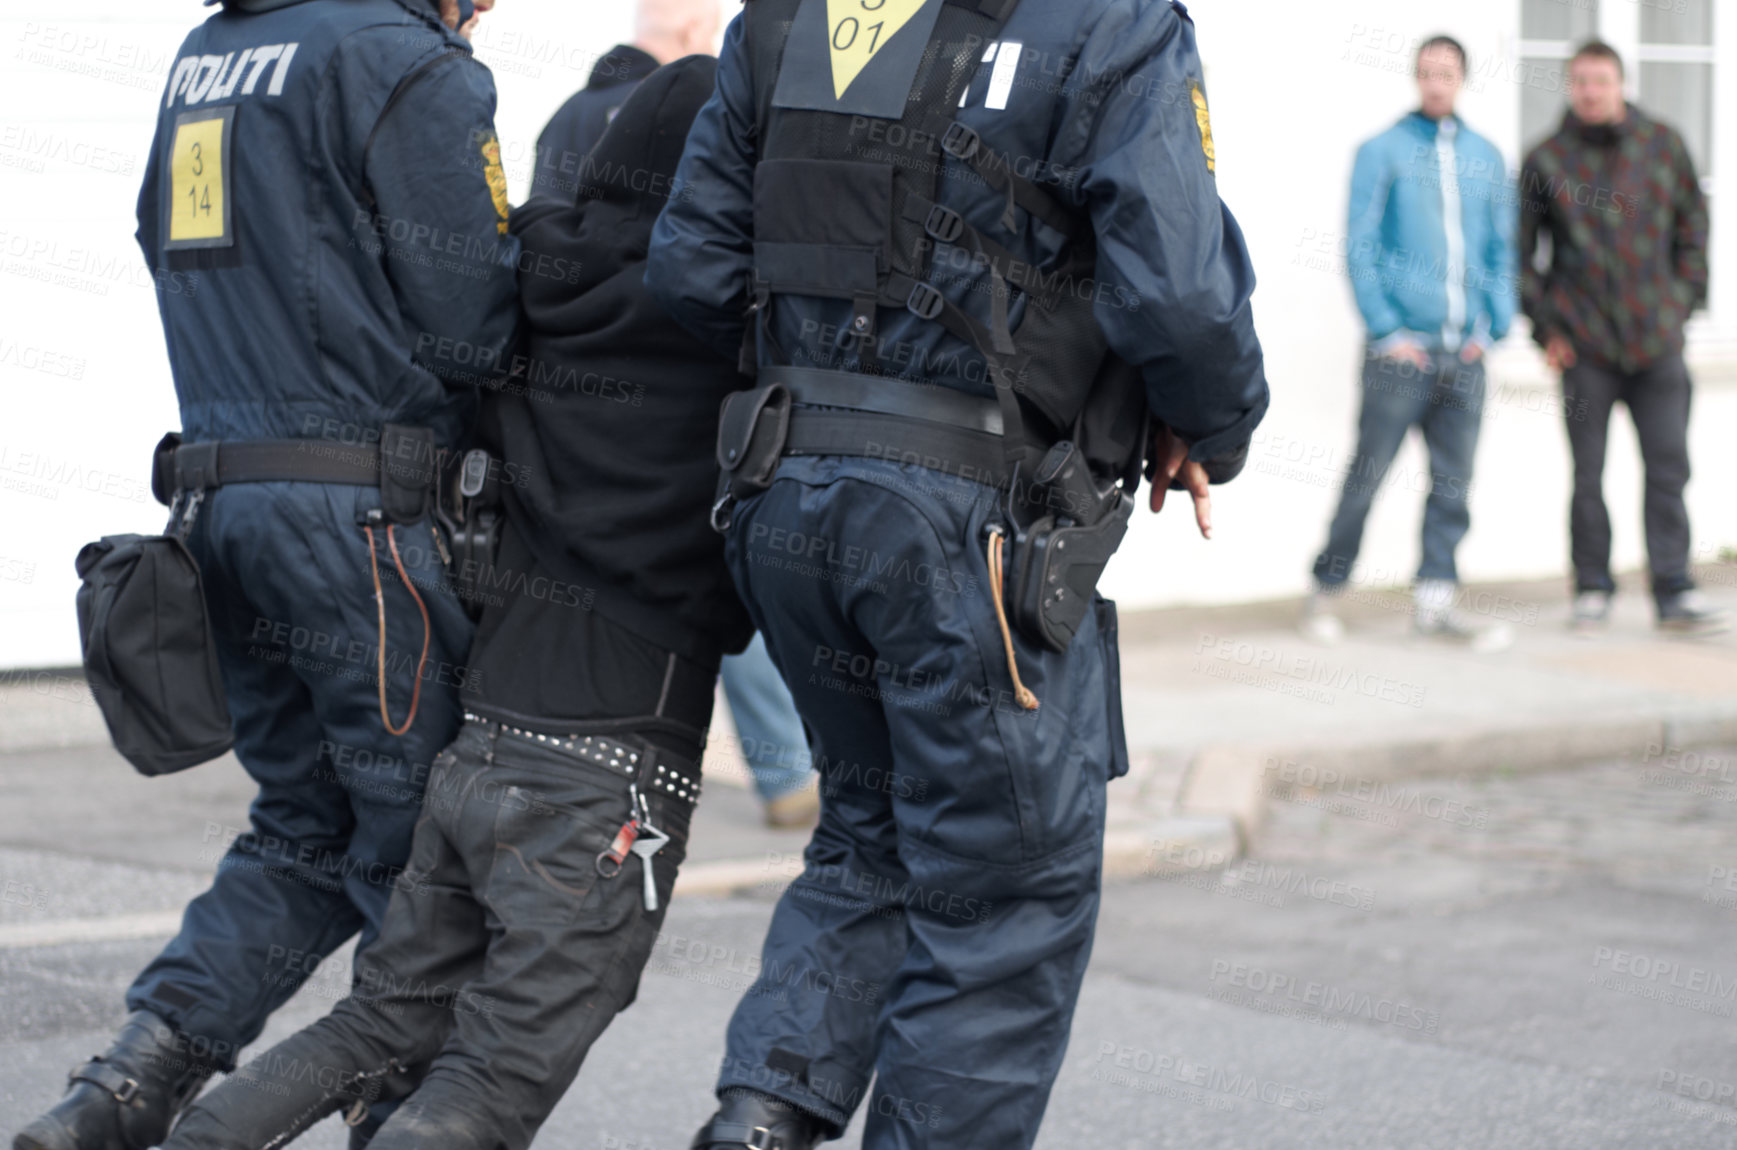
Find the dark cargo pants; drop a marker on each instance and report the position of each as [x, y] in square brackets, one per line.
[938, 927]
[503, 957]
[291, 596]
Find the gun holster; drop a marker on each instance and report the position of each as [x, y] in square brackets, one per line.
[409, 472]
[1064, 530]
[470, 511]
[753, 427]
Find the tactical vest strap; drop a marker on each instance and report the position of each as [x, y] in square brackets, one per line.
[962, 142]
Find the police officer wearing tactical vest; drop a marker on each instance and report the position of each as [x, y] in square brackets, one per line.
[975, 253]
[326, 173]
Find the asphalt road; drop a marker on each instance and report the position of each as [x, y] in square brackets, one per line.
[1528, 961]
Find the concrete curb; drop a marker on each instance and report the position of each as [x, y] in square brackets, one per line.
[1237, 781]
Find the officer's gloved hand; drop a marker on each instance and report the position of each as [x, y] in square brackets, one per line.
[1174, 471]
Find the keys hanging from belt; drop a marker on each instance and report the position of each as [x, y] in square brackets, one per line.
[639, 836]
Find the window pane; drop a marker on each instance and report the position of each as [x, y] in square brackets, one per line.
[1682, 96]
[1543, 97]
[1563, 19]
[1677, 22]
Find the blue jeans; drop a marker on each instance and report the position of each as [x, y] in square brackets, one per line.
[1445, 400]
[766, 722]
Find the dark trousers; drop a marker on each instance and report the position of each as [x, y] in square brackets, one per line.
[1658, 401]
[505, 953]
[937, 934]
[1446, 401]
[291, 597]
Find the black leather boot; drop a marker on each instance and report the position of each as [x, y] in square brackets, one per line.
[124, 1099]
[284, 1091]
[749, 1120]
[426, 1122]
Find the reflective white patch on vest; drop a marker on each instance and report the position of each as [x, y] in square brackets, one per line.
[989, 54]
[1001, 81]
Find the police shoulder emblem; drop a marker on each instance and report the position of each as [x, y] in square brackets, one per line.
[496, 177]
[1197, 94]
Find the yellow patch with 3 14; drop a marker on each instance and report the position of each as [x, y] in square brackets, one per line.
[200, 209]
[857, 29]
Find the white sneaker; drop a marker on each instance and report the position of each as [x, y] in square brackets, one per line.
[1436, 618]
[1591, 611]
[1319, 625]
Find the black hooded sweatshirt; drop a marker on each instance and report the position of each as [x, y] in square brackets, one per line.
[575, 129]
[607, 429]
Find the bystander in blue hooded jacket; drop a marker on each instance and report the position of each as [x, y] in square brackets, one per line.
[1428, 255]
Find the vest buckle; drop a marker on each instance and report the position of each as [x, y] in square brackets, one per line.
[960, 141]
[925, 302]
[944, 224]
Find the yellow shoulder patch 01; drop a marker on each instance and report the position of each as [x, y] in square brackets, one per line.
[497, 178]
[857, 29]
[1201, 117]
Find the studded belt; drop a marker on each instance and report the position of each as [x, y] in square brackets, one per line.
[667, 775]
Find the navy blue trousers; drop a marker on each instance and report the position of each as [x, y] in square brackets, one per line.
[926, 958]
[291, 598]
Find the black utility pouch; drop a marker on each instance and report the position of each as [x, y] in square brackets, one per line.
[149, 653]
[752, 429]
[409, 470]
[1057, 560]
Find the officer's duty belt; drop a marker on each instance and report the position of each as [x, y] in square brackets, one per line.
[201, 466]
[883, 417]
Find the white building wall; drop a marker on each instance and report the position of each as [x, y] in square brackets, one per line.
[85, 389]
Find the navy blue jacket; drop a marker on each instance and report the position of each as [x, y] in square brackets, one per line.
[326, 183]
[578, 124]
[1106, 104]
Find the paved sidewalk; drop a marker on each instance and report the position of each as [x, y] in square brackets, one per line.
[1225, 704]
[1226, 709]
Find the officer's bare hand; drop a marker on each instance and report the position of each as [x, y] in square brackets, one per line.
[1170, 453]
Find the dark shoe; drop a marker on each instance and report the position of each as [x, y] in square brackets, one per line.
[429, 1123]
[751, 1121]
[1686, 614]
[124, 1099]
[281, 1093]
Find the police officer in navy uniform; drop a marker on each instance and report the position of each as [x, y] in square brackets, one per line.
[975, 251]
[325, 174]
